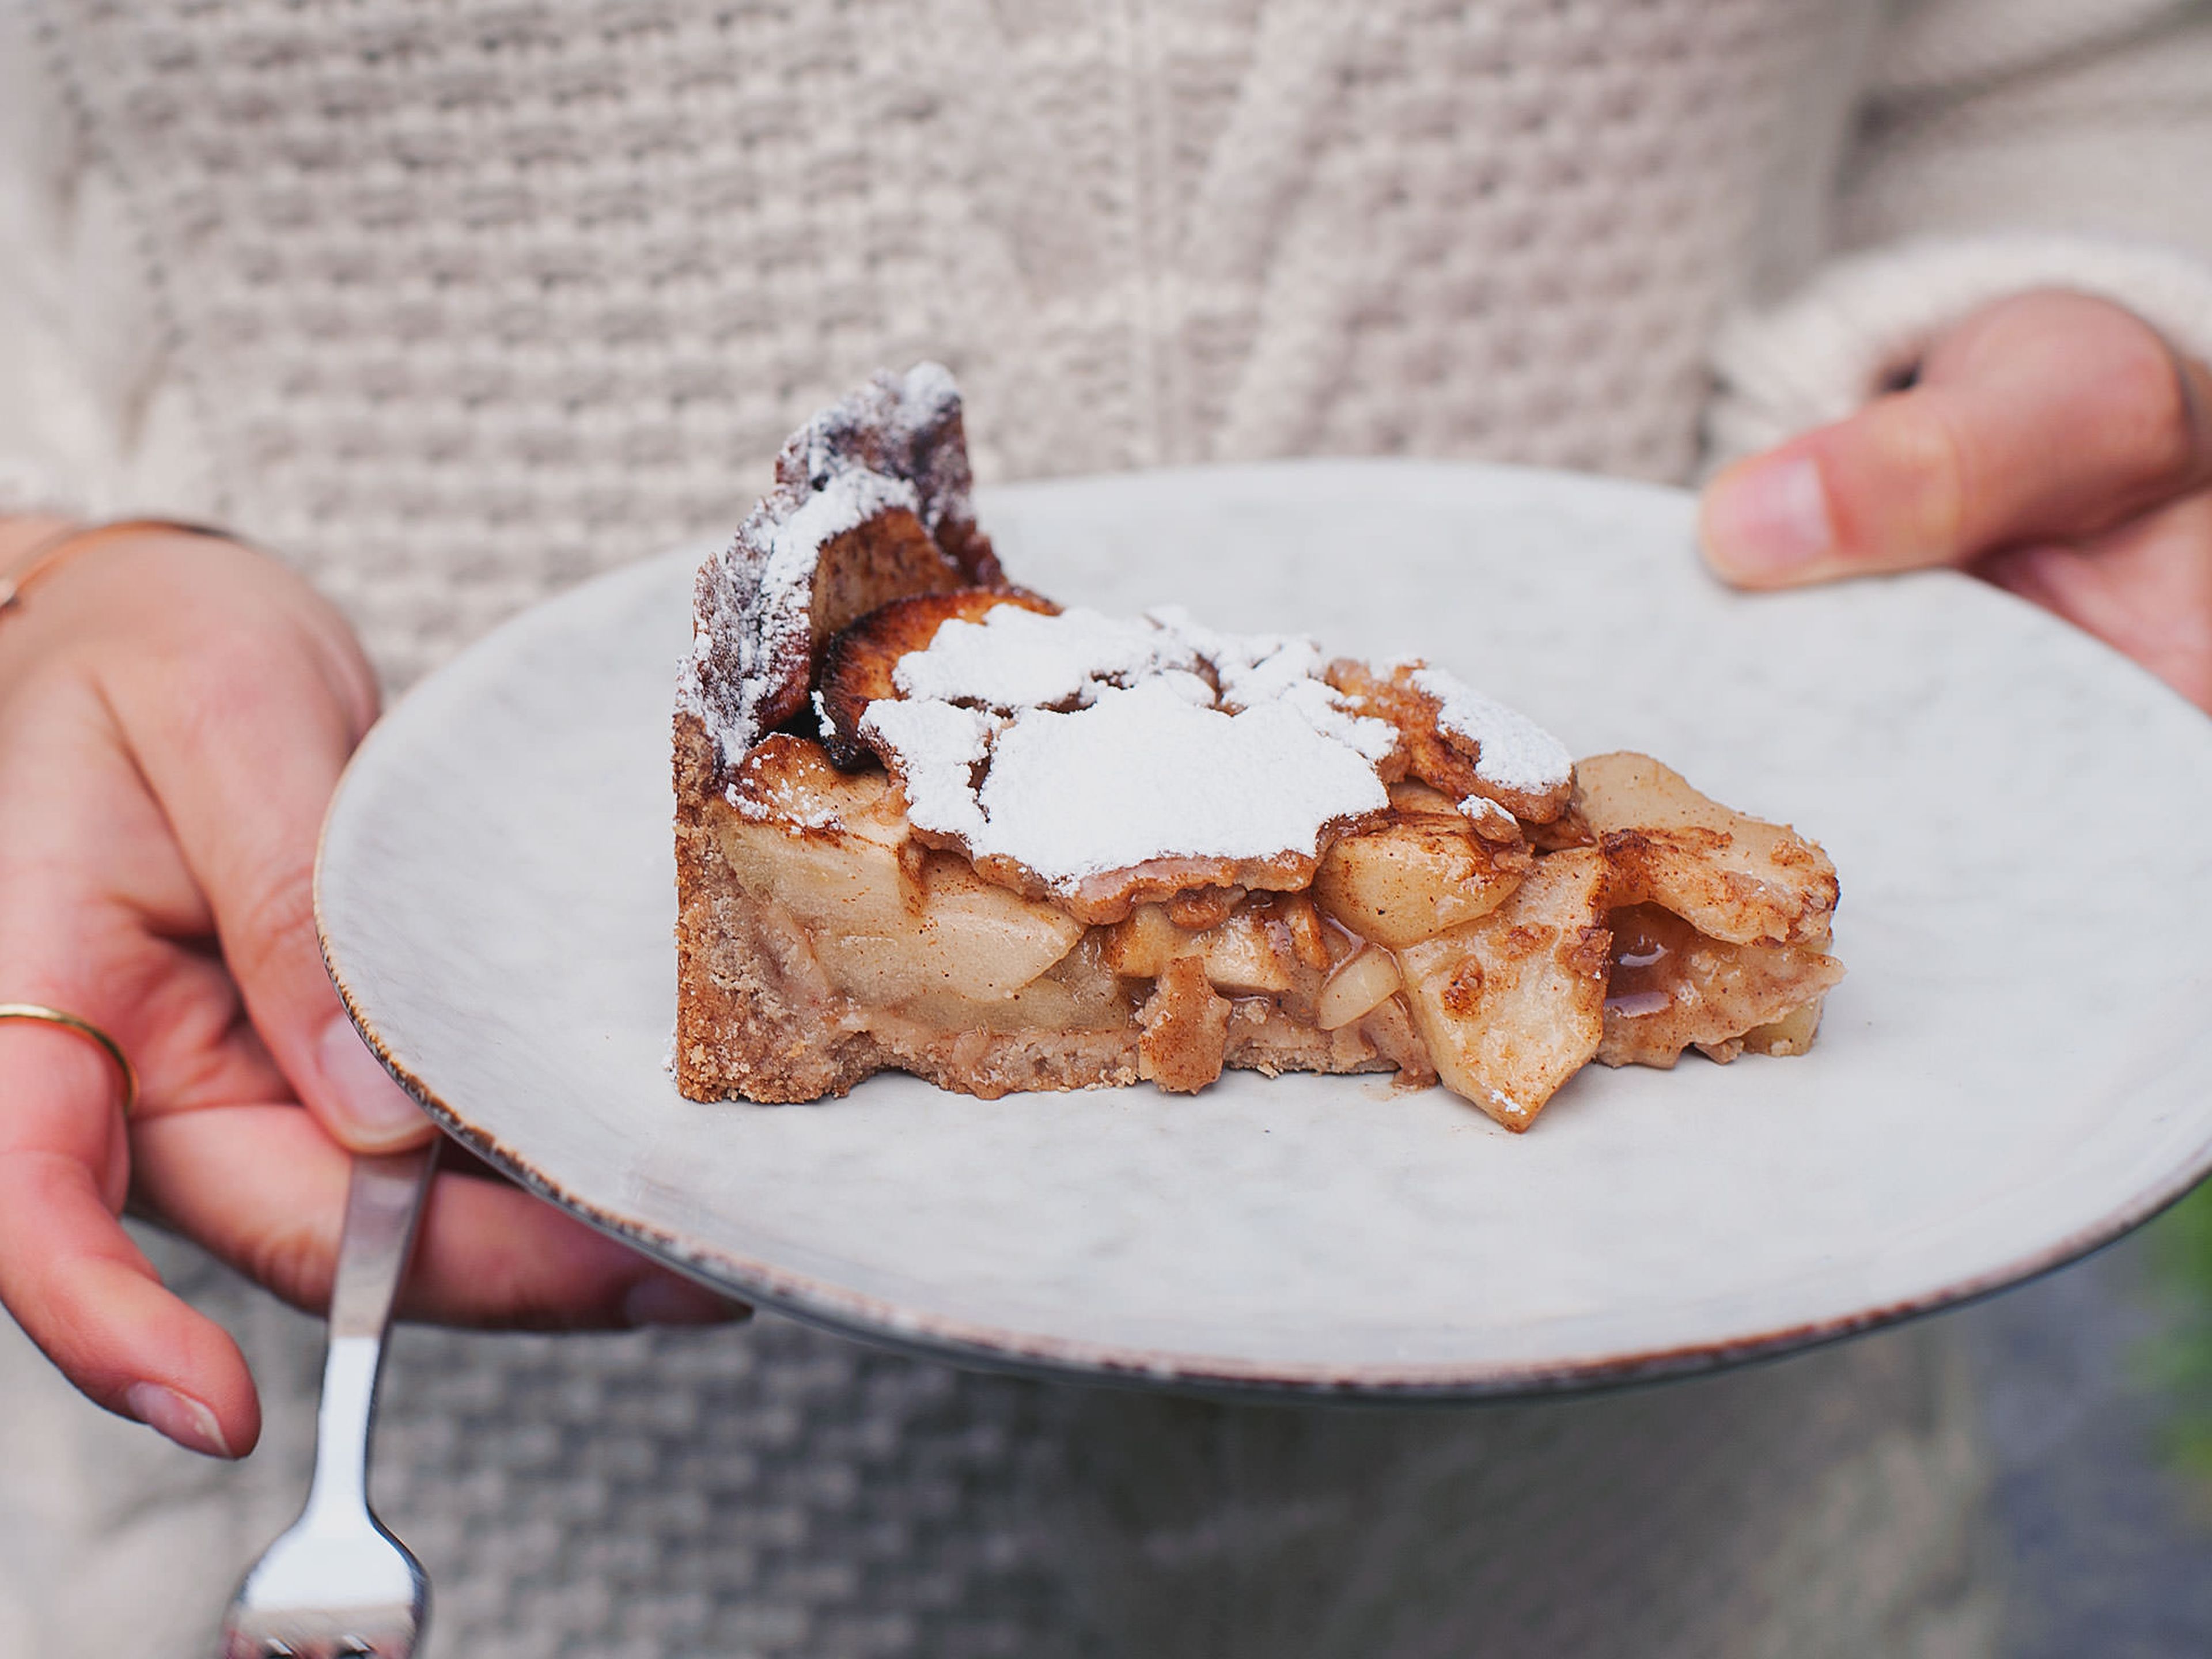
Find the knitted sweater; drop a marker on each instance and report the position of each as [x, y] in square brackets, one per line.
[457, 303]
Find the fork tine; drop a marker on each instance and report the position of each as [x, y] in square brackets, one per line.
[338, 1585]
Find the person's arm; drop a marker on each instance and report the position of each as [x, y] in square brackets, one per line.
[2009, 374]
[174, 711]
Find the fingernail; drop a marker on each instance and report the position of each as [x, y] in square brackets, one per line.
[179, 1416]
[664, 1299]
[378, 1113]
[1767, 519]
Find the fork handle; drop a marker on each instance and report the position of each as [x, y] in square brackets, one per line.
[382, 1207]
[381, 1210]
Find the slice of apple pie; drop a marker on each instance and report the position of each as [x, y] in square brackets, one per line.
[928, 821]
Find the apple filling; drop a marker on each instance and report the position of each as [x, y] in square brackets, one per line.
[1425, 944]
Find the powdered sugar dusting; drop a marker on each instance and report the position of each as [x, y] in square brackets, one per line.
[1511, 750]
[790, 810]
[1486, 814]
[1076, 746]
[1020, 659]
[1255, 669]
[1142, 774]
[940, 747]
[759, 794]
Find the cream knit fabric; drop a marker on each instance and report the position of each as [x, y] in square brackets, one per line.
[457, 302]
[440, 344]
[772, 1492]
[2006, 145]
[1867, 318]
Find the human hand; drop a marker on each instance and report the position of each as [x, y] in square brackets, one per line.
[2053, 444]
[174, 711]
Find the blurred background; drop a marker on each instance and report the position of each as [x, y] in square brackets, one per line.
[2096, 1384]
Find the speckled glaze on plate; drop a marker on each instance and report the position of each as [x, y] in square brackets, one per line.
[2015, 1072]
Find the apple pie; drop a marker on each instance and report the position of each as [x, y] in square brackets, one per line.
[928, 820]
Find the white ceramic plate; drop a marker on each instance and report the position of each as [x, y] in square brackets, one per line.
[2015, 1072]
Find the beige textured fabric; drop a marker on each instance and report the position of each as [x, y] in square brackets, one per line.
[458, 302]
[2007, 144]
[771, 1491]
[1868, 318]
[2038, 115]
[442, 348]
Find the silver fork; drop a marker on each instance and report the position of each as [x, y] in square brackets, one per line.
[338, 1585]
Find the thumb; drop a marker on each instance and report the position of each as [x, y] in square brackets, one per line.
[2047, 417]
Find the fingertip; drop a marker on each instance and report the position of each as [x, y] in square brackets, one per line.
[178, 1417]
[186, 1376]
[87, 1295]
[364, 1109]
[492, 1255]
[1767, 522]
[661, 1298]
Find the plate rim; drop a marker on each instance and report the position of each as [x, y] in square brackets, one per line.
[817, 1302]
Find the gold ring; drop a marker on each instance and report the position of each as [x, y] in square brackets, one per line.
[86, 1028]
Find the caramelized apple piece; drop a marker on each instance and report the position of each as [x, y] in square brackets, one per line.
[1360, 984]
[1671, 988]
[1792, 1034]
[888, 921]
[1244, 957]
[1142, 943]
[960, 933]
[1733, 876]
[1076, 994]
[1492, 822]
[1198, 908]
[1389, 1028]
[878, 560]
[1302, 929]
[888, 554]
[1510, 1006]
[1264, 943]
[1446, 760]
[1416, 876]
